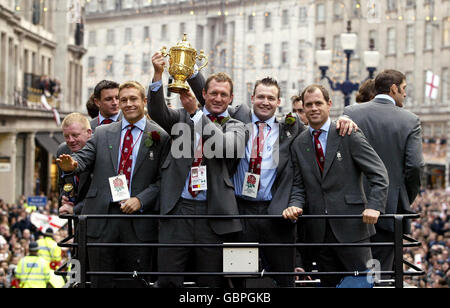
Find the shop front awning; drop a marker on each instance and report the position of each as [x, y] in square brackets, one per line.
[59, 137]
[48, 143]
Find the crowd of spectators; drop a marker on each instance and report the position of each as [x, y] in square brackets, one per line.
[17, 231]
[432, 230]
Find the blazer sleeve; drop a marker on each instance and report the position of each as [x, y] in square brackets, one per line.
[197, 85]
[373, 168]
[298, 193]
[160, 112]
[414, 162]
[148, 196]
[86, 157]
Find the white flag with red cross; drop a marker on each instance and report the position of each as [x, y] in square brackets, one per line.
[431, 85]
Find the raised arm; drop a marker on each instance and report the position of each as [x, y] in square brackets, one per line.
[156, 106]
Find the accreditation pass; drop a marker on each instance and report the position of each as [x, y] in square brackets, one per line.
[198, 178]
[119, 188]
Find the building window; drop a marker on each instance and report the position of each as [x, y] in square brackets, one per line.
[391, 5]
[301, 52]
[391, 41]
[110, 38]
[410, 4]
[356, 8]
[409, 89]
[320, 12]
[267, 20]
[337, 10]
[182, 29]
[267, 52]
[446, 32]
[303, 14]
[163, 32]
[337, 46]
[283, 89]
[251, 22]
[127, 65]
[410, 38]
[284, 53]
[428, 36]
[146, 63]
[146, 34]
[128, 35]
[91, 66]
[445, 82]
[285, 18]
[251, 56]
[249, 93]
[223, 58]
[92, 38]
[109, 66]
[373, 36]
[200, 37]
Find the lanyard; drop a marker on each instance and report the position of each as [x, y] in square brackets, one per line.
[124, 162]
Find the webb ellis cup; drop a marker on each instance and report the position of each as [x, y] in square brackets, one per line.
[182, 59]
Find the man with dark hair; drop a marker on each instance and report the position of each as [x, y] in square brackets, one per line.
[395, 134]
[91, 107]
[297, 108]
[179, 193]
[106, 98]
[267, 163]
[328, 173]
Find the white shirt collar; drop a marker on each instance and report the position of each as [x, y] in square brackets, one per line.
[325, 127]
[385, 96]
[101, 118]
[139, 124]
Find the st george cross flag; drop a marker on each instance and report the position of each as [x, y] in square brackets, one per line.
[432, 85]
[43, 222]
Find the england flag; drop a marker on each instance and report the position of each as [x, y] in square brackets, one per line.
[431, 85]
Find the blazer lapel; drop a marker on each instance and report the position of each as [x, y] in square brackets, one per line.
[333, 142]
[310, 154]
[143, 150]
[114, 136]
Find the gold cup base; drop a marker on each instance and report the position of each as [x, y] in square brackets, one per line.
[178, 88]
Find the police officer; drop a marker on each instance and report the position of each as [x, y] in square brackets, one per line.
[49, 249]
[33, 271]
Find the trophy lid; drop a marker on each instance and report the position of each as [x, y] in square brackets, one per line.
[184, 43]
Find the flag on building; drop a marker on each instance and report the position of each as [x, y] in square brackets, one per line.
[431, 85]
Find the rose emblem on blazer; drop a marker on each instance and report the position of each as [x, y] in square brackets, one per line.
[290, 119]
[153, 137]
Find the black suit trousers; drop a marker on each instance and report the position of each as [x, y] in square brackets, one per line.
[278, 259]
[119, 259]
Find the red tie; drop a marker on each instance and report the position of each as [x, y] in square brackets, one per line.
[126, 159]
[257, 149]
[107, 121]
[319, 150]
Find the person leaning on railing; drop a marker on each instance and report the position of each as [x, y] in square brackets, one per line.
[328, 172]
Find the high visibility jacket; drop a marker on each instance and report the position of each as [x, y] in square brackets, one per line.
[49, 250]
[30, 208]
[33, 272]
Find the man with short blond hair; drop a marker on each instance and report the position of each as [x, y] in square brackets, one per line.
[130, 151]
[77, 131]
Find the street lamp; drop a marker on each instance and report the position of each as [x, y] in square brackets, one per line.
[348, 43]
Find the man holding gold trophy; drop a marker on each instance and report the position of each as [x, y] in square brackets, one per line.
[196, 178]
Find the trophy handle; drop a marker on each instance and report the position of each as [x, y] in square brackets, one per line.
[164, 51]
[200, 57]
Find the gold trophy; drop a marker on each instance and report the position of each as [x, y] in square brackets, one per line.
[182, 59]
